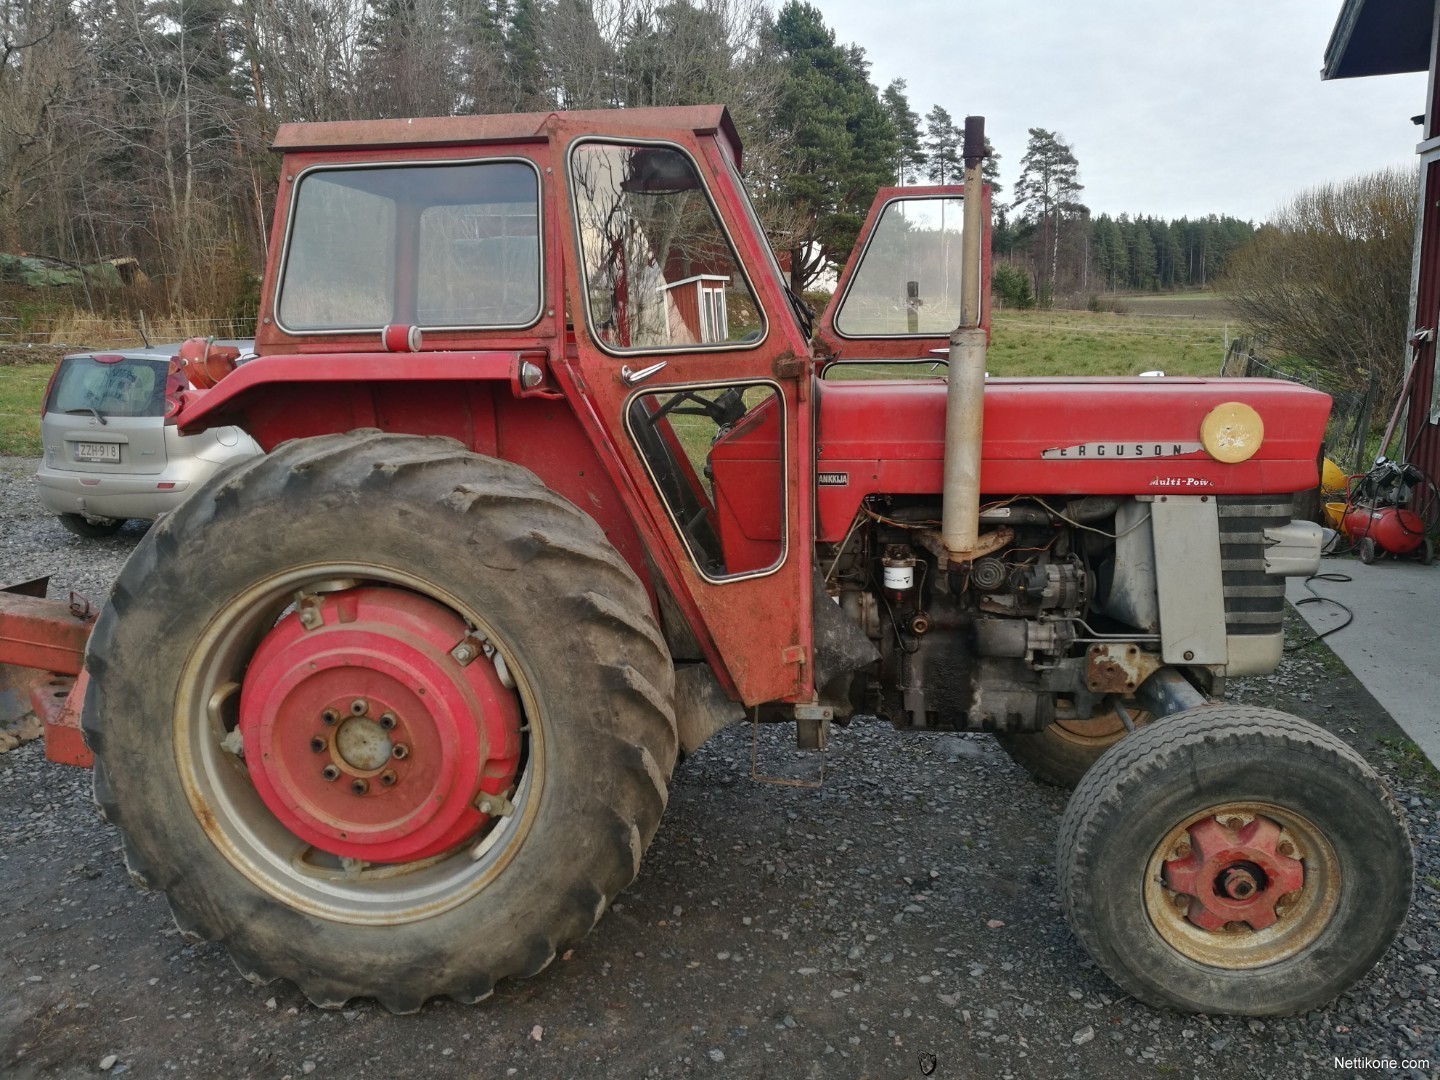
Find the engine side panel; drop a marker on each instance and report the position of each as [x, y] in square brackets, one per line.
[1094, 436]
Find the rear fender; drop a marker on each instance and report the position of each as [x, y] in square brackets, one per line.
[345, 387]
[477, 398]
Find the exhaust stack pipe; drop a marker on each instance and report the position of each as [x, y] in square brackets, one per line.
[965, 394]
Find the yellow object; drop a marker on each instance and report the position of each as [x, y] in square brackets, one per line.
[1334, 514]
[1232, 432]
[1332, 477]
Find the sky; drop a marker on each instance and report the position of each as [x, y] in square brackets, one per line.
[1172, 109]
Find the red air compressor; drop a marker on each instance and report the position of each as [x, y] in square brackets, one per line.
[1377, 518]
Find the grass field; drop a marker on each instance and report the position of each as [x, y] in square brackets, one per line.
[1022, 343]
[1090, 343]
[1101, 343]
[21, 387]
[1202, 305]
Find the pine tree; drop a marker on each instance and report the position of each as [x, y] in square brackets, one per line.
[839, 143]
[910, 158]
[1048, 191]
[942, 147]
[990, 172]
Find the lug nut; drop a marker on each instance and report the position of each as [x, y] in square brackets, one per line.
[1182, 902]
[359, 707]
[388, 777]
[318, 744]
[1235, 824]
[387, 721]
[1286, 848]
[1182, 849]
[359, 785]
[400, 751]
[329, 717]
[330, 772]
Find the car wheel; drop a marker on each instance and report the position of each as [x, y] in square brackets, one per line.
[91, 528]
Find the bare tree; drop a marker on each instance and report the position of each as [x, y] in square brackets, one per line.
[302, 58]
[1327, 281]
[44, 76]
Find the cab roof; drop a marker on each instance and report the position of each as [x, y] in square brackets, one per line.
[502, 128]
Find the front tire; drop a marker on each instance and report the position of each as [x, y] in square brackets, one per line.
[340, 570]
[1234, 860]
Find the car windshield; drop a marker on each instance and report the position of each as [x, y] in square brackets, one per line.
[130, 386]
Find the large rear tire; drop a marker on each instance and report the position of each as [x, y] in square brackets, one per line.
[340, 570]
[1234, 860]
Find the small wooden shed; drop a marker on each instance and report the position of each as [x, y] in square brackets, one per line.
[698, 302]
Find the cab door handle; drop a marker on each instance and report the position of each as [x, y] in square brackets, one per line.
[634, 378]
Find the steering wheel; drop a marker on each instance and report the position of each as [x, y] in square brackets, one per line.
[724, 410]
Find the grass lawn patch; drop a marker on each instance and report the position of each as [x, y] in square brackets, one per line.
[21, 388]
[1060, 343]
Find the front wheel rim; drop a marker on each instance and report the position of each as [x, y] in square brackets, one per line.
[1098, 731]
[235, 817]
[1242, 885]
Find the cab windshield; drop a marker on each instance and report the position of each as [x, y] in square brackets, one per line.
[443, 246]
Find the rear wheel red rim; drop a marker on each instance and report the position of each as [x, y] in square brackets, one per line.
[366, 737]
[489, 778]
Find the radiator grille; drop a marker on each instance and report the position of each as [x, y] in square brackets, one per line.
[1254, 600]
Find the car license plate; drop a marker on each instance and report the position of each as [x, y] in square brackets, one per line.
[97, 451]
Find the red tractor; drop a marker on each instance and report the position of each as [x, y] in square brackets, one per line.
[562, 479]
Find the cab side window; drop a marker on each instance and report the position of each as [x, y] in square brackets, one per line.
[660, 273]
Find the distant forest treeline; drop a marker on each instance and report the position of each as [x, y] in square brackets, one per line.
[140, 127]
[1125, 254]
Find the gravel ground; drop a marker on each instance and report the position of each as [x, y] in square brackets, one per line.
[900, 921]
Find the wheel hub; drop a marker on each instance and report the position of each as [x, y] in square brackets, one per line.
[362, 744]
[366, 737]
[1233, 872]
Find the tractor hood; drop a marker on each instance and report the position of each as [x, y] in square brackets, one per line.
[1080, 436]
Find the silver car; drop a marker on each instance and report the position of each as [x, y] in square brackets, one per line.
[109, 454]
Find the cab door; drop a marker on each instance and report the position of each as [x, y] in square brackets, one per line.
[898, 297]
[696, 377]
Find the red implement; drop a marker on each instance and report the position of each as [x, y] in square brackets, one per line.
[42, 650]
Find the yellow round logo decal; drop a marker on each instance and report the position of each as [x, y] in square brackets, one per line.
[1232, 432]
